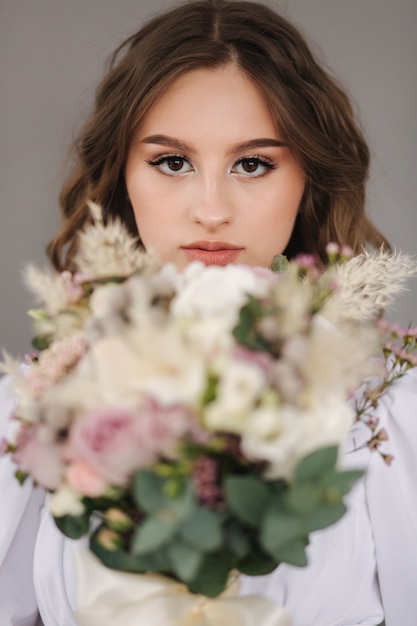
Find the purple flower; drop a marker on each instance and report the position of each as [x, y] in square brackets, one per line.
[205, 477]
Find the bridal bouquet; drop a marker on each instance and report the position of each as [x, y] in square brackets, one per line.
[189, 423]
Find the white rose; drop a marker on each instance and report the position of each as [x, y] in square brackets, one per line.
[65, 501]
[213, 291]
[241, 384]
[297, 433]
[149, 360]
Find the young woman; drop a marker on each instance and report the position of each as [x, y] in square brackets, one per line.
[216, 136]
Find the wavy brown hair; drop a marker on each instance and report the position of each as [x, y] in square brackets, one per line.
[313, 115]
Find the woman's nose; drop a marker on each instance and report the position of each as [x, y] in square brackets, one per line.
[212, 205]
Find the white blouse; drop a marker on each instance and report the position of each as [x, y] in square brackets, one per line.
[360, 569]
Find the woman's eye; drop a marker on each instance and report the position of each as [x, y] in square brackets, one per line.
[172, 164]
[252, 166]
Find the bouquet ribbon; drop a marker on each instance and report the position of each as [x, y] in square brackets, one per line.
[108, 597]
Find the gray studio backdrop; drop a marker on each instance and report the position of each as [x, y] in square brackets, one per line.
[52, 54]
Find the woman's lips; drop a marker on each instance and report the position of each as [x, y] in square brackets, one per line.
[212, 252]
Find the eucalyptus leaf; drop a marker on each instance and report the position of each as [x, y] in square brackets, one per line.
[121, 559]
[340, 482]
[325, 516]
[257, 563]
[247, 497]
[303, 499]
[279, 528]
[293, 553]
[315, 464]
[213, 575]
[153, 533]
[185, 559]
[160, 526]
[148, 491]
[237, 540]
[203, 529]
[72, 526]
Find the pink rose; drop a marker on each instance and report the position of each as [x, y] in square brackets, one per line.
[85, 480]
[105, 440]
[41, 460]
[114, 441]
[159, 429]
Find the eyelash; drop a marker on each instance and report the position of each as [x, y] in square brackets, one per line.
[164, 157]
[261, 160]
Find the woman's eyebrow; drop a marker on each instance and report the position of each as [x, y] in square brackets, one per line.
[264, 142]
[177, 144]
[164, 140]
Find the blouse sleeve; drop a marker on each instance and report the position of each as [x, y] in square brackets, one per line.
[392, 498]
[19, 522]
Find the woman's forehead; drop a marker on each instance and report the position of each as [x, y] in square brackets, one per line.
[218, 100]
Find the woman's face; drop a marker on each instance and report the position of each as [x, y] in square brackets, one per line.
[208, 175]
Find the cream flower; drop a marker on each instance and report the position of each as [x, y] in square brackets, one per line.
[368, 284]
[65, 501]
[240, 386]
[148, 361]
[282, 436]
[216, 291]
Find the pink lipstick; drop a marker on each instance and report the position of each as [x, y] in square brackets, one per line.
[212, 252]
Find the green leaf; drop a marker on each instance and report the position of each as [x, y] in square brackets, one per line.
[74, 527]
[339, 483]
[325, 516]
[148, 491]
[315, 464]
[153, 533]
[247, 497]
[42, 342]
[279, 263]
[257, 563]
[212, 576]
[236, 540]
[245, 330]
[303, 499]
[293, 553]
[185, 559]
[122, 560]
[39, 315]
[210, 392]
[279, 529]
[21, 476]
[203, 529]
[163, 523]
